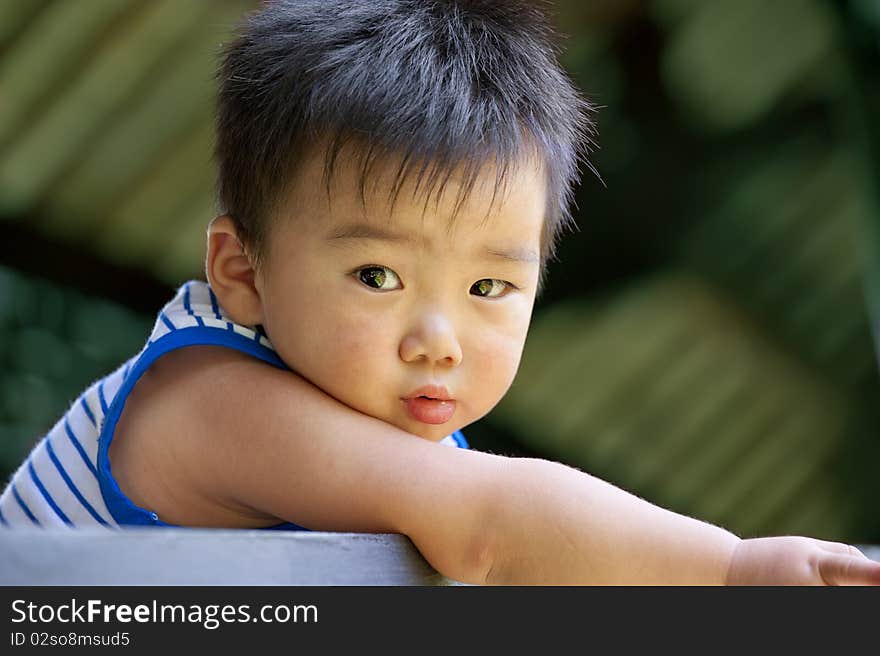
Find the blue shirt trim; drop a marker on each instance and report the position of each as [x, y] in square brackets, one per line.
[462, 443]
[120, 506]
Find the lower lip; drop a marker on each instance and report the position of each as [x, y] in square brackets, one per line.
[430, 411]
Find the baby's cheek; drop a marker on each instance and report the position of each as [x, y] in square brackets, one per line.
[357, 360]
[496, 361]
[354, 345]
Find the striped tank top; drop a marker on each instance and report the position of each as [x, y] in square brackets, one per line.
[66, 481]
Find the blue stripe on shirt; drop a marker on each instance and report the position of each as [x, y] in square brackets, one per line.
[214, 305]
[3, 519]
[23, 505]
[101, 397]
[167, 322]
[72, 486]
[187, 306]
[46, 495]
[79, 448]
[88, 410]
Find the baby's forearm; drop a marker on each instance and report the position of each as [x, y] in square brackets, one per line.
[555, 524]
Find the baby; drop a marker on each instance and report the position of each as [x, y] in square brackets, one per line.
[394, 176]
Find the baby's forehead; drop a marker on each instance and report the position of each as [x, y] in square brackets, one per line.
[364, 183]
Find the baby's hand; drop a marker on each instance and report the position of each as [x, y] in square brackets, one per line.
[800, 561]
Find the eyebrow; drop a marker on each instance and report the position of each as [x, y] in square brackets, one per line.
[365, 232]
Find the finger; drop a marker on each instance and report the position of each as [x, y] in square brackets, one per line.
[841, 548]
[839, 569]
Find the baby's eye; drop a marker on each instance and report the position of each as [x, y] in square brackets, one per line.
[489, 287]
[379, 277]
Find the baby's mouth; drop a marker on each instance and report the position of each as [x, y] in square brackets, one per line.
[430, 404]
[430, 410]
[431, 392]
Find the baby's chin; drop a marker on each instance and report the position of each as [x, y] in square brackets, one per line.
[430, 433]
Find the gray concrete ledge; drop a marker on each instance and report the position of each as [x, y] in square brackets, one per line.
[871, 551]
[149, 556]
[187, 556]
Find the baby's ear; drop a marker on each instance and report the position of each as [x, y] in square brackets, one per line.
[231, 274]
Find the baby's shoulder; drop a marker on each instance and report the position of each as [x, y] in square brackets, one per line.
[160, 450]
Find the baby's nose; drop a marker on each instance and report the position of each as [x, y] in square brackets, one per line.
[434, 339]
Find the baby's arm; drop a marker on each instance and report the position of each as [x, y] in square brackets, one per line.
[281, 446]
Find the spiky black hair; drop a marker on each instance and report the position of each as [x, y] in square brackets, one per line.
[438, 84]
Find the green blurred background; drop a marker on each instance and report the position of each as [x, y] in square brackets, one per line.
[705, 340]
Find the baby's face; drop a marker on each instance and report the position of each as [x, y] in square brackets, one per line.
[375, 306]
